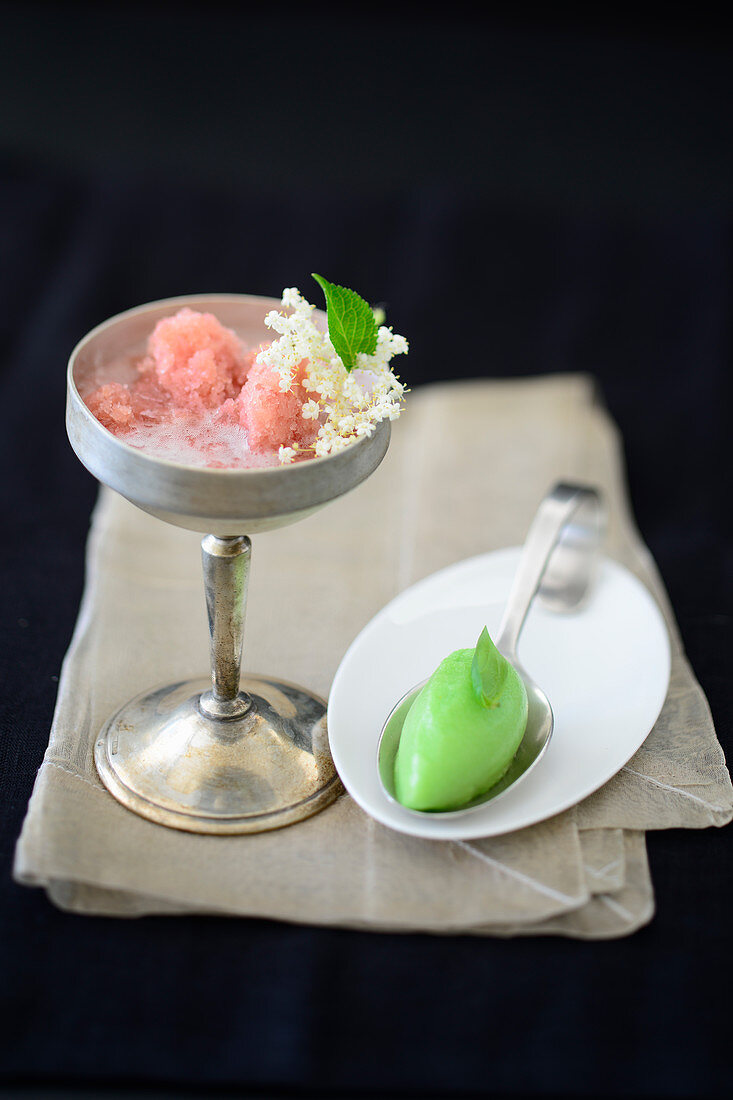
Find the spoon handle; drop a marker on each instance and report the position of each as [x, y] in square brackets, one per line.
[572, 564]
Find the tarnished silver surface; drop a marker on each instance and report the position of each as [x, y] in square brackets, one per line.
[163, 758]
[569, 526]
[214, 756]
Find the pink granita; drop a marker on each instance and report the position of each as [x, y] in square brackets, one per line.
[197, 360]
[274, 417]
[200, 398]
[112, 406]
[151, 402]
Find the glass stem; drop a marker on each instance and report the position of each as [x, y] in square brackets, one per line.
[226, 574]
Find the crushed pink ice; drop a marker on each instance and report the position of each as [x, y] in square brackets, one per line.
[201, 398]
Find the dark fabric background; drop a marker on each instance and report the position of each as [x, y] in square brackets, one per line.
[547, 198]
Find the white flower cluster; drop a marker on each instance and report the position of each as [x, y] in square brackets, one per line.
[348, 404]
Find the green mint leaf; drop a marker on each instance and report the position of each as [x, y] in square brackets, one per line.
[488, 670]
[351, 325]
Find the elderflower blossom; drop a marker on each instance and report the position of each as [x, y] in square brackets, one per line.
[349, 405]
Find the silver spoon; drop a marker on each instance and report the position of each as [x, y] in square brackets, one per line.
[559, 559]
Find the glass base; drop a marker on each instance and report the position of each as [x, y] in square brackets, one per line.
[165, 758]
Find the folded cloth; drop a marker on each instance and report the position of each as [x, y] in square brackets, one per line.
[583, 873]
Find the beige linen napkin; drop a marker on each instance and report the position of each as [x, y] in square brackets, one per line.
[314, 586]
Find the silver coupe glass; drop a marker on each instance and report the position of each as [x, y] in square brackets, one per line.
[222, 754]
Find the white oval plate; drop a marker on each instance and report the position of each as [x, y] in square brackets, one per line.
[605, 670]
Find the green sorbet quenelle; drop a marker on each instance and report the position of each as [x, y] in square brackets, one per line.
[462, 731]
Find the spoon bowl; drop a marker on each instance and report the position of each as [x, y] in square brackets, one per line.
[540, 724]
[562, 547]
